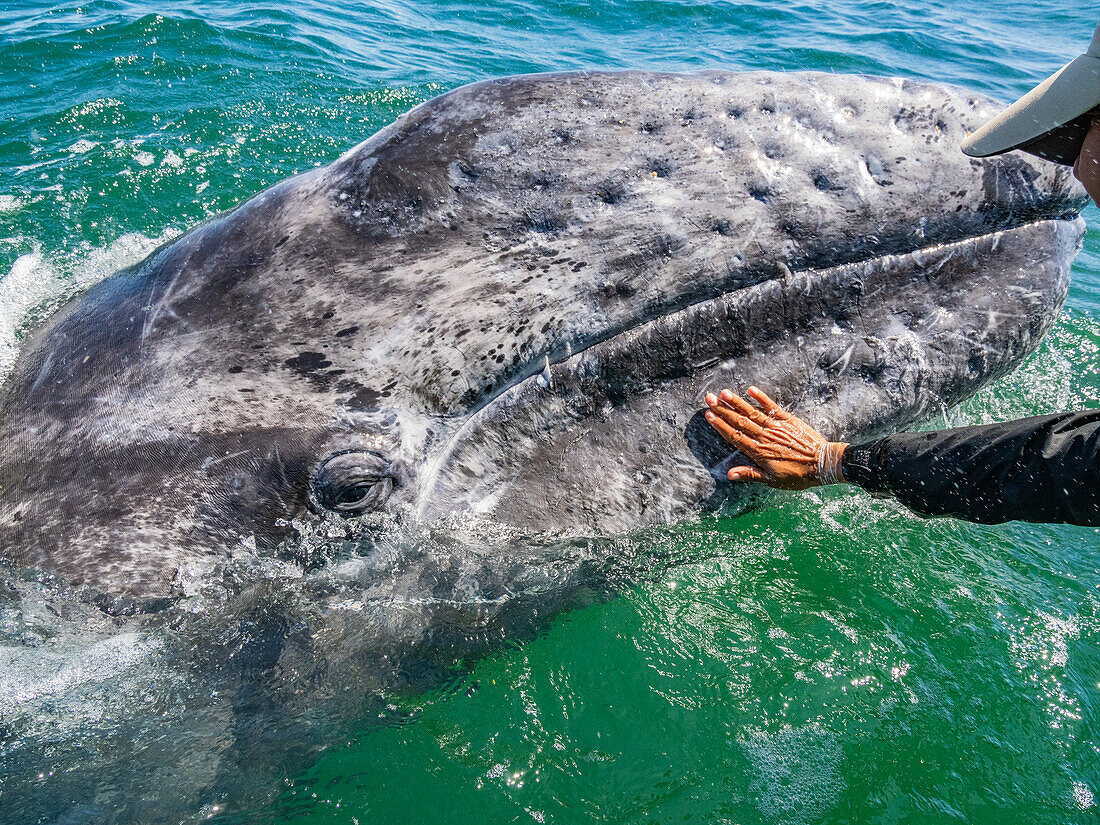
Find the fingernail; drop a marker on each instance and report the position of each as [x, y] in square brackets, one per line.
[734, 475]
[708, 415]
[753, 389]
[712, 399]
[727, 394]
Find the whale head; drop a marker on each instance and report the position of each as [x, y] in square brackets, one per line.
[510, 303]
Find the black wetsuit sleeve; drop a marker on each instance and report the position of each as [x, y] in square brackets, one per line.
[1044, 469]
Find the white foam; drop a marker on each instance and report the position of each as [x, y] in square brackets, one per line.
[82, 146]
[1082, 796]
[29, 282]
[796, 772]
[69, 688]
[36, 282]
[29, 675]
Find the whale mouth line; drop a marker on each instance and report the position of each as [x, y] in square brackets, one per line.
[564, 355]
[1053, 213]
[928, 259]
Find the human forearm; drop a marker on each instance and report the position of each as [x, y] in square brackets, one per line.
[1044, 469]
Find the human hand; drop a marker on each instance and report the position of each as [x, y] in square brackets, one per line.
[789, 454]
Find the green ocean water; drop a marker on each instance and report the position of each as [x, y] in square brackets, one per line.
[828, 658]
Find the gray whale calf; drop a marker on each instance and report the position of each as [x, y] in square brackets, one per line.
[506, 307]
[509, 303]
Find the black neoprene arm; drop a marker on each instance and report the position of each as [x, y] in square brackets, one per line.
[1043, 469]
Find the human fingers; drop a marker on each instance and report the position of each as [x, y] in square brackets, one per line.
[751, 412]
[770, 407]
[746, 474]
[737, 420]
[734, 435]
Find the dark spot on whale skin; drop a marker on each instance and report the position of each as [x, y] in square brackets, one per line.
[824, 183]
[620, 289]
[347, 331]
[236, 370]
[760, 193]
[794, 228]
[307, 363]
[311, 366]
[660, 168]
[611, 190]
[543, 222]
[361, 398]
[541, 179]
[870, 371]
[282, 241]
[328, 315]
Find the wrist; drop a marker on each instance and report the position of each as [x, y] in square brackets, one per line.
[830, 456]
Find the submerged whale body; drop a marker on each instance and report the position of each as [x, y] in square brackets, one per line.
[507, 305]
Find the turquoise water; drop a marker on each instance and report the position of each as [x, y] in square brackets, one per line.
[829, 658]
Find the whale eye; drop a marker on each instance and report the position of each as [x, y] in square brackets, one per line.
[350, 483]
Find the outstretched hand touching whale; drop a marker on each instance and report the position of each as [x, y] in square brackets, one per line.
[1043, 469]
[789, 454]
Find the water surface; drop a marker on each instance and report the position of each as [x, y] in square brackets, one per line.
[830, 658]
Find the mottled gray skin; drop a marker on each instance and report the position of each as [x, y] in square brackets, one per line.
[510, 303]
